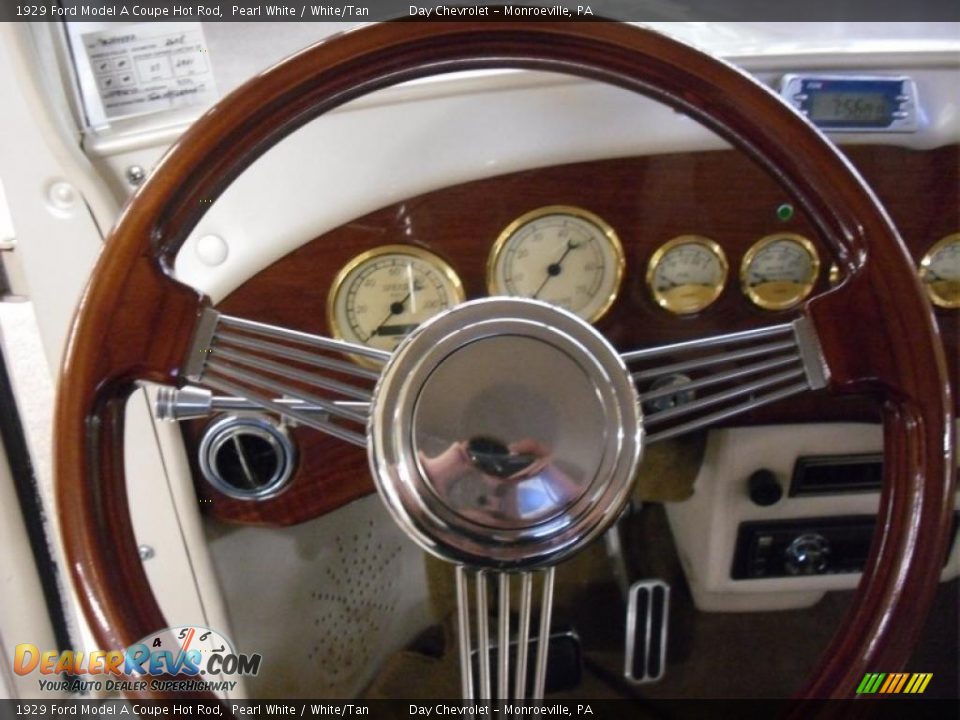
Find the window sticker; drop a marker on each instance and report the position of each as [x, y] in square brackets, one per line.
[150, 67]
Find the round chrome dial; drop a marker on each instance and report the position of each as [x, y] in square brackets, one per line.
[808, 554]
[779, 271]
[940, 272]
[563, 255]
[687, 274]
[380, 296]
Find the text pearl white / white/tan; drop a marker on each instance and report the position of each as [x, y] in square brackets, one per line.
[212, 250]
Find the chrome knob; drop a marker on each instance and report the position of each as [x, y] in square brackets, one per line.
[808, 554]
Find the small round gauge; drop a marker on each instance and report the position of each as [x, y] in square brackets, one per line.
[560, 254]
[687, 274]
[380, 296]
[940, 272]
[779, 271]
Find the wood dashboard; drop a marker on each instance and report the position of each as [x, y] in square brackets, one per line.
[648, 200]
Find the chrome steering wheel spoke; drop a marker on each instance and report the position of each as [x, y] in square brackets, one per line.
[287, 372]
[692, 385]
[502, 466]
[511, 683]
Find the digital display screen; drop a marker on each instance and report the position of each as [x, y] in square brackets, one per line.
[850, 107]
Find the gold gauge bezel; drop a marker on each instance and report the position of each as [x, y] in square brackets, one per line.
[661, 252]
[602, 225]
[434, 260]
[803, 291]
[924, 268]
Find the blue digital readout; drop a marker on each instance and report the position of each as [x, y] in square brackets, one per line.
[855, 103]
[852, 103]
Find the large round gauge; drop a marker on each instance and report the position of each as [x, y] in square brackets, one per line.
[560, 254]
[779, 271]
[380, 296]
[940, 272]
[687, 274]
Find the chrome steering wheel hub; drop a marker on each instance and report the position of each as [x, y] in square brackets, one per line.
[505, 433]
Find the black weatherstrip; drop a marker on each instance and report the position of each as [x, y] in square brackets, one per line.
[25, 482]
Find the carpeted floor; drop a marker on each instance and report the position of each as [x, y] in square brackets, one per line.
[711, 655]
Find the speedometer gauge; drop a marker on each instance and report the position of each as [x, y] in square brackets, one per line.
[560, 254]
[779, 271]
[380, 296]
[940, 272]
[687, 274]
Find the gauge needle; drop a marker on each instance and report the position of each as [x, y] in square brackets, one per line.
[553, 269]
[398, 307]
[395, 309]
[410, 284]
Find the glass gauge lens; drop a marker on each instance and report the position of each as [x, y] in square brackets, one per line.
[779, 271]
[687, 274]
[940, 272]
[380, 296]
[562, 255]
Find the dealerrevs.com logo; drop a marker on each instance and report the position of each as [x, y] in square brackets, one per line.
[203, 658]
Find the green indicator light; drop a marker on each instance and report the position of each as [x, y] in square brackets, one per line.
[785, 212]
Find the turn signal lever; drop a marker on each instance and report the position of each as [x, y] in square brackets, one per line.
[192, 402]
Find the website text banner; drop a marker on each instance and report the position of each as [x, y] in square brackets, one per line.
[527, 10]
[891, 709]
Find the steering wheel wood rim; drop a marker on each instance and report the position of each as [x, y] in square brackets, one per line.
[877, 330]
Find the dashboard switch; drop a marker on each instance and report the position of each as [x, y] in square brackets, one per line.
[763, 488]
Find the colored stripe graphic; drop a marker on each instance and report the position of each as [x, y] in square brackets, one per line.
[901, 683]
[922, 680]
[870, 683]
[894, 683]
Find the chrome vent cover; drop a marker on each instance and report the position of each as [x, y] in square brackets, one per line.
[247, 457]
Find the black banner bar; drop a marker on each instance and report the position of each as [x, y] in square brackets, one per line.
[354, 11]
[878, 709]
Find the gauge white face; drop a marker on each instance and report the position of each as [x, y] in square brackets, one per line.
[687, 274]
[779, 271]
[381, 296]
[561, 255]
[940, 272]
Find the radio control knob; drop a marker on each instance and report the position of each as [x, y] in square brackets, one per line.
[763, 487]
[808, 554]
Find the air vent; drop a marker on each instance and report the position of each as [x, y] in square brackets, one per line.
[247, 457]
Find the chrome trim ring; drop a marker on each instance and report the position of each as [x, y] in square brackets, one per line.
[504, 433]
[226, 429]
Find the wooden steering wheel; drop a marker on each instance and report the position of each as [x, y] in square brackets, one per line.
[875, 333]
